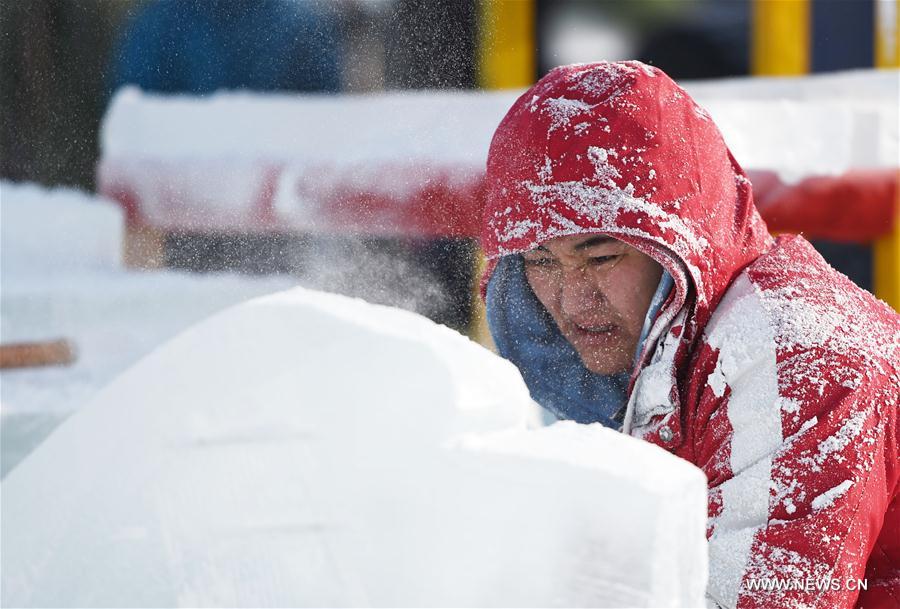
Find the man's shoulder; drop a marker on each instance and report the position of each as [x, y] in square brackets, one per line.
[810, 307]
[792, 316]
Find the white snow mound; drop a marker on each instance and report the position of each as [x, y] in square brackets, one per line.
[306, 449]
[57, 231]
[62, 278]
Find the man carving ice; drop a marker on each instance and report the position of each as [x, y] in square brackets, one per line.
[633, 283]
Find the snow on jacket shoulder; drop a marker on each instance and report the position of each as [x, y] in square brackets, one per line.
[765, 367]
[791, 411]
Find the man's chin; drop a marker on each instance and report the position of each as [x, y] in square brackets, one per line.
[606, 370]
[606, 364]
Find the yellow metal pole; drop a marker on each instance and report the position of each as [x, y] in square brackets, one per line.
[886, 251]
[886, 262]
[506, 60]
[887, 25]
[781, 42]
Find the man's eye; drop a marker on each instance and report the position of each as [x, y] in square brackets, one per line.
[598, 260]
[538, 261]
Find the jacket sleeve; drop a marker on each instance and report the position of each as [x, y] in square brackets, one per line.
[800, 449]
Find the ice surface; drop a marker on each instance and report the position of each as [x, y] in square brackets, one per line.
[306, 449]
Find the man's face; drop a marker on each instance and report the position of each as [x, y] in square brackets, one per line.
[598, 290]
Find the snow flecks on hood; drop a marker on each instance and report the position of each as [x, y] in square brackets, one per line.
[599, 202]
[562, 110]
[741, 180]
[603, 170]
[581, 128]
[514, 229]
[545, 171]
[701, 113]
[609, 81]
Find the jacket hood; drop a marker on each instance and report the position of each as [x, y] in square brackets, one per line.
[618, 148]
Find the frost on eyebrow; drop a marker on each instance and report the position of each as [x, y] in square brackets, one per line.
[537, 249]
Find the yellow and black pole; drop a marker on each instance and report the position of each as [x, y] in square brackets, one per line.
[782, 44]
[507, 53]
[781, 37]
[886, 253]
[507, 59]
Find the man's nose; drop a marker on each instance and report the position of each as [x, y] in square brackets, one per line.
[579, 295]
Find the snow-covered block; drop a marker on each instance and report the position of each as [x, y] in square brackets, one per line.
[390, 164]
[306, 449]
[57, 231]
[453, 127]
[822, 124]
[304, 129]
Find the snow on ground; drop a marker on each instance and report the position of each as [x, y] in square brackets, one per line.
[307, 449]
[62, 278]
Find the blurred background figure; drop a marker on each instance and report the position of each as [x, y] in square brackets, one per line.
[192, 46]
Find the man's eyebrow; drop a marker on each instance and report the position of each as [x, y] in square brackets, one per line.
[598, 240]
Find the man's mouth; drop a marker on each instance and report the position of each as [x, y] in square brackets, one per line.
[598, 330]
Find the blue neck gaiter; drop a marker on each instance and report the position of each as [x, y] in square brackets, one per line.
[526, 334]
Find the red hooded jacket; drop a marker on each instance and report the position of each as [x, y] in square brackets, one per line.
[766, 368]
